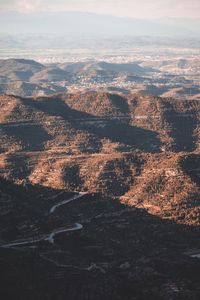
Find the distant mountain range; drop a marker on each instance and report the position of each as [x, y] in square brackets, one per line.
[88, 23]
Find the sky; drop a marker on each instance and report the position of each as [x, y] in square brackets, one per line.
[142, 9]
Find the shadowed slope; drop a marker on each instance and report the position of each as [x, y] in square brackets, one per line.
[120, 253]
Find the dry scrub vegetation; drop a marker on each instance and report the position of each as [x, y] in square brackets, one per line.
[141, 149]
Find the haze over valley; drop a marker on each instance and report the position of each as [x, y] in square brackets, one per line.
[99, 150]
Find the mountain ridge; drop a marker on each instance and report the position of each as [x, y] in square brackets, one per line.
[109, 144]
[13, 22]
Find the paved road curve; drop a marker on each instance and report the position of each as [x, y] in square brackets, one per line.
[49, 237]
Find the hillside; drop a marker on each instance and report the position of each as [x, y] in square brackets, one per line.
[26, 89]
[25, 70]
[171, 78]
[19, 69]
[109, 256]
[141, 149]
[34, 72]
[106, 68]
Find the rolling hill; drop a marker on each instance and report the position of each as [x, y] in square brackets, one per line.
[131, 147]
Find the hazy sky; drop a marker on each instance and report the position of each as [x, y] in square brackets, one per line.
[131, 8]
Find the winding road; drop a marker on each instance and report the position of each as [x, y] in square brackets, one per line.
[53, 208]
[49, 237]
